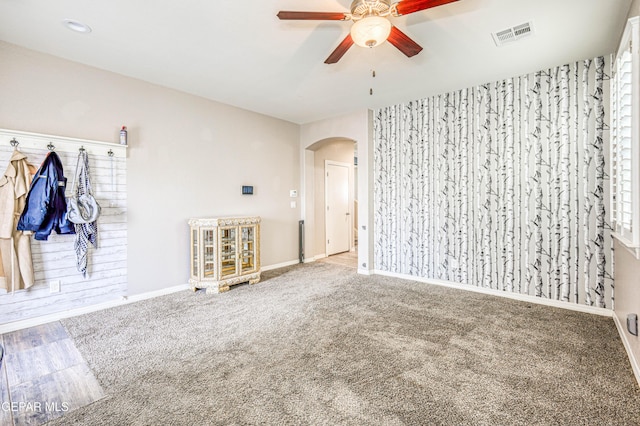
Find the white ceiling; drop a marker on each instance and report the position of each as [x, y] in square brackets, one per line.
[239, 53]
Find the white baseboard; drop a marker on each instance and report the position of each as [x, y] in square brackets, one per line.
[124, 300]
[365, 271]
[314, 258]
[156, 293]
[280, 265]
[635, 366]
[516, 296]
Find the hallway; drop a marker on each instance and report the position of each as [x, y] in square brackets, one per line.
[348, 258]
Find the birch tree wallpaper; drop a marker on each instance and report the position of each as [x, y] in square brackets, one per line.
[502, 186]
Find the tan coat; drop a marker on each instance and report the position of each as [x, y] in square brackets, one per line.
[16, 268]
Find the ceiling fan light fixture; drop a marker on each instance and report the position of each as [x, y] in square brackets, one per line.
[370, 31]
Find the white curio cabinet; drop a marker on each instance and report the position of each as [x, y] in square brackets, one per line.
[224, 252]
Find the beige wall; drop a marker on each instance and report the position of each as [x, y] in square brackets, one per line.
[634, 9]
[335, 150]
[188, 156]
[627, 295]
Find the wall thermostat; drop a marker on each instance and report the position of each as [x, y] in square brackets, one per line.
[247, 190]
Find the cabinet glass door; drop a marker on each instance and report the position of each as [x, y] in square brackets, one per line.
[248, 249]
[228, 264]
[194, 253]
[209, 260]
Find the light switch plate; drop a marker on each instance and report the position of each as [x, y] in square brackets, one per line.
[293, 204]
[632, 324]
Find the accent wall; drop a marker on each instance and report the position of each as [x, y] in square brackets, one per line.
[503, 186]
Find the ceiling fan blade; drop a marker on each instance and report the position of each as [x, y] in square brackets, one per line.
[318, 16]
[403, 42]
[409, 6]
[340, 50]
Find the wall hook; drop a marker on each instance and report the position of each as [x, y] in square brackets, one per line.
[51, 147]
[110, 153]
[14, 143]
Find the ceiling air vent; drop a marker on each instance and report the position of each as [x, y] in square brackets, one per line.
[512, 34]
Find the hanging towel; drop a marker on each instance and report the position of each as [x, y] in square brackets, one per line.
[16, 264]
[86, 233]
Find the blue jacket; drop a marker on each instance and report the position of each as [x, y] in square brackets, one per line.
[46, 206]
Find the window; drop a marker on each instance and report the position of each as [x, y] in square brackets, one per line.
[625, 139]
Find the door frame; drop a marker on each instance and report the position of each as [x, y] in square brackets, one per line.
[349, 201]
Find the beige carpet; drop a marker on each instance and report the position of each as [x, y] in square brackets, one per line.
[319, 344]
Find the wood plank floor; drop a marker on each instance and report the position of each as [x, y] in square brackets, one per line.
[43, 376]
[5, 415]
[348, 258]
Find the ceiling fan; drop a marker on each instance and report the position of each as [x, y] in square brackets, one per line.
[371, 25]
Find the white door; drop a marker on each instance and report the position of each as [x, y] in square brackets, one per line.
[337, 212]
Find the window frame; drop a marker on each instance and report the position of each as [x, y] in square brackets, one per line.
[628, 236]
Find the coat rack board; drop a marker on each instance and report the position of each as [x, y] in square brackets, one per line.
[61, 143]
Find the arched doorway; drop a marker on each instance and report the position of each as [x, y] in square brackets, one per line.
[334, 180]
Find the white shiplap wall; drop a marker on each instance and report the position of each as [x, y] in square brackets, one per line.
[54, 259]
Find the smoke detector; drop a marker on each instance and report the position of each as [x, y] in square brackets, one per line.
[512, 34]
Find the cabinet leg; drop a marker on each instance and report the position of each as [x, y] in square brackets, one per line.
[223, 289]
[254, 281]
